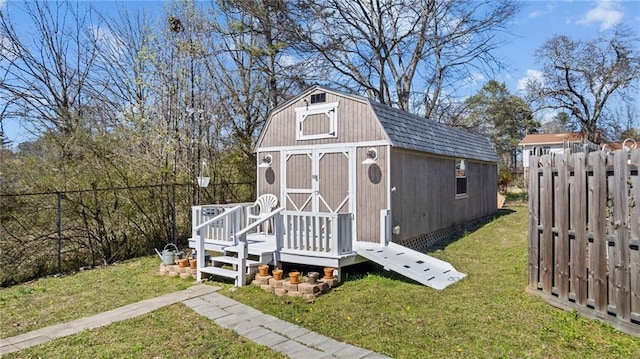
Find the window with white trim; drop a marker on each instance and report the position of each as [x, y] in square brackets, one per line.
[461, 179]
[317, 121]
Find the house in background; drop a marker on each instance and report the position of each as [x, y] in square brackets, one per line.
[355, 180]
[548, 143]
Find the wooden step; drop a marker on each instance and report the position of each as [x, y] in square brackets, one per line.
[221, 272]
[251, 250]
[234, 261]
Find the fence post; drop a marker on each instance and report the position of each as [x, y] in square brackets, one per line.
[546, 220]
[59, 228]
[620, 218]
[534, 212]
[174, 228]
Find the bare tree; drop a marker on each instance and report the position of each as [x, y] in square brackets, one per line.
[404, 53]
[47, 74]
[581, 77]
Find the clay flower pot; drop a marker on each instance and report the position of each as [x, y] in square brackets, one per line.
[193, 263]
[294, 277]
[313, 277]
[183, 262]
[277, 274]
[328, 273]
[264, 270]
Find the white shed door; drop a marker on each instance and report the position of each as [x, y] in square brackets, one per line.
[318, 180]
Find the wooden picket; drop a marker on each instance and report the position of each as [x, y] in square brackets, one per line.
[584, 230]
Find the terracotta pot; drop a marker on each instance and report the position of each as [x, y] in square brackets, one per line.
[328, 273]
[193, 263]
[264, 270]
[294, 277]
[313, 277]
[277, 274]
[183, 262]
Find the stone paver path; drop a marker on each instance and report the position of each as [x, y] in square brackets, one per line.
[287, 338]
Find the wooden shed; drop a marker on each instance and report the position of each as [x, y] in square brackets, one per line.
[366, 177]
[425, 175]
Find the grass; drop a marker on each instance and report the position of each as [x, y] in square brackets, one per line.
[517, 197]
[486, 315]
[171, 332]
[56, 300]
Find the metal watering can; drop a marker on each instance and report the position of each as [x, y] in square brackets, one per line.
[169, 256]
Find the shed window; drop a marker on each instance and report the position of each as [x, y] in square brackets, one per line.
[461, 179]
[317, 121]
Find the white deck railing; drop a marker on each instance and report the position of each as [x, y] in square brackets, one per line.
[223, 226]
[328, 233]
[216, 230]
[243, 247]
[217, 224]
[307, 233]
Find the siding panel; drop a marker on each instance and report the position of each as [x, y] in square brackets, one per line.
[356, 123]
[425, 198]
[371, 185]
[268, 179]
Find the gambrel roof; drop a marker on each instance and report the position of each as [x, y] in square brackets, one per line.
[409, 131]
[406, 130]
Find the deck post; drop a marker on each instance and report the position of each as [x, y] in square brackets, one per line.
[235, 218]
[279, 224]
[336, 231]
[195, 220]
[199, 256]
[200, 253]
[242, 261]
[385, 226]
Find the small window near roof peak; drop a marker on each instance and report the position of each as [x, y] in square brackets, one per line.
[319, 97]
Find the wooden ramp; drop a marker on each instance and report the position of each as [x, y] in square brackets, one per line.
[420, 267]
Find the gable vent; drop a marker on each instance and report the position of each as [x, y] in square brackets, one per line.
[319, 97]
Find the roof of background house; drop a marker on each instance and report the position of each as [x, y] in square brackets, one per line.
[413, 132]
[551, 138]
[612, 146]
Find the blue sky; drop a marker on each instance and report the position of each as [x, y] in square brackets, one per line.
[537, 22]
[540, 20]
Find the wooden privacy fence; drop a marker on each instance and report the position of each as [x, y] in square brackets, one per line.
[584, 229]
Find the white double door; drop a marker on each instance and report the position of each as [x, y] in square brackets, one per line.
[319, 180]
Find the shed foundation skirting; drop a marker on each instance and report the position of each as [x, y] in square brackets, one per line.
[424, 243]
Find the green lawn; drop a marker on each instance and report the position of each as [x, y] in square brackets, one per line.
[486, 315]
[54, 300]
[171, 332]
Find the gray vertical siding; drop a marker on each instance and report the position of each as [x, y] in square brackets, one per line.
[269, 178]
[371, 191]
[425, 198]
[356, 123]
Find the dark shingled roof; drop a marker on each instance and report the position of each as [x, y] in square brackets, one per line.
[413, 132]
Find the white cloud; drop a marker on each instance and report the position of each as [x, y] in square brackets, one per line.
[2, 3]
[108, 41]
[475, 78]
[605, 13]
[537, 13]
[531, 75]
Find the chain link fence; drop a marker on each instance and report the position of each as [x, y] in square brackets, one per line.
[47, 233]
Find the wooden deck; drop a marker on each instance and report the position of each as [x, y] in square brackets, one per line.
[304, 238]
